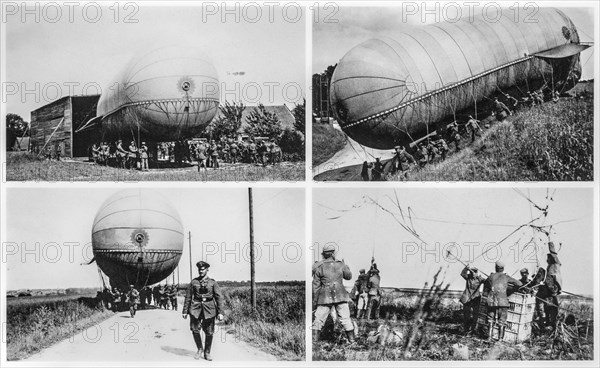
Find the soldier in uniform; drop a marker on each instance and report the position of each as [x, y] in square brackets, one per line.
[144, 157]
[422, 154]
[442, 147]
[364, 173]
[133, 298]
[203, 302]
[403, 161]
[233, 149]
[132, 156]
[500, 110]
[471, 297]
[172, 293]
[121, 154]
[473, 127]
[496, 287]
[377, 171]
[454, 134]
[374, 292]
[548, 292]
[214, 154]
[359, 293]
[329, 293]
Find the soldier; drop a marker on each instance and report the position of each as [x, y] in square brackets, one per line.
[116, 299]
[432, 151]
[276, 154]
[201, 156]
[511, 100]
[233, 149]
[214, 154]
[132, 156]
[473, 127]
[496, 287]
[133, 297]
[442, 147]
[377, 172]
[422, 154]
[252, 151]
[95, 152]
[454, 134]
[403, 161]
[364, 173]
[548, 292]
[164, 296]
[374, 292]
[156, 295]
[121, 154]
[329, 292]
[524, 277]
[500, 110]
[359, 293]
[144, 157]
[471, 297]
[203, 302]
[173, 296]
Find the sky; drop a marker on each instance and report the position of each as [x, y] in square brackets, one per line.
[331, 41]
[474, 219]
[55, 217]
[266, 45]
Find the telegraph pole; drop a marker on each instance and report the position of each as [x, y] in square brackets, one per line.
[190, 249]
[252, 268]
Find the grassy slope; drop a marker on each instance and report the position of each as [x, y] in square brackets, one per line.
[278, 325]
[326, 142]
[24, 167]
[552, 142]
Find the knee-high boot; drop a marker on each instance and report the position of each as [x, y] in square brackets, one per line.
[207, 347]
[198, 341]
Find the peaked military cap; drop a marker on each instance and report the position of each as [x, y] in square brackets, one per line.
[202, 265]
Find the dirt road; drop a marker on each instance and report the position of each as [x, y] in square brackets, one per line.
[153, 335]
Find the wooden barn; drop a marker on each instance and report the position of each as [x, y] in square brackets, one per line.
[58, 126]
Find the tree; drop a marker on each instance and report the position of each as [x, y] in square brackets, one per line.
[262, 123]
[229, 122]
[15, 127]
[299, 116]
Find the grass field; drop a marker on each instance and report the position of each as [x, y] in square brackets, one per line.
[22, 166]
[35, 323]
[278, 325]
[326, 142]
[425, 327]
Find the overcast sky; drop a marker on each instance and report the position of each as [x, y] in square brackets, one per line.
[437, 214]
[270, 50]
[62, 215]
[331, 41]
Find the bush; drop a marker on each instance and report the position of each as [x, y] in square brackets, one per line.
[292, 145]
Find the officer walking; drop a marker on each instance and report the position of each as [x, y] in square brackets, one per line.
[329, 292]
[471, 297]
[497, 287]
[203, 302]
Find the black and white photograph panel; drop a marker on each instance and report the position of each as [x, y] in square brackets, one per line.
[137, 91]
[154, 275]
[453, 274]
[454, 92]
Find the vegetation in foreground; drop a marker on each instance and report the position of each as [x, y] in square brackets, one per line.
[22, 166]
[277, 326]
[428, 327]
[34, 324]
[549, 142]
[326, 142]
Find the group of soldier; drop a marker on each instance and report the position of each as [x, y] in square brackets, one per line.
[330, 295]
[161, 296]
[207, 154]
[498, 286]
[366, 293]
[118, 154]
[435, 147]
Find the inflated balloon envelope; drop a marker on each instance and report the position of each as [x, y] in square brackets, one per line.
[164, 94]
[391, 91]
[137, 238]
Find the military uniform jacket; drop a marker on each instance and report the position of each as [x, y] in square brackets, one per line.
[496, 288]
[360, 285]
[327, 281]
[203, 296]
[374, 281]
[471, 288]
